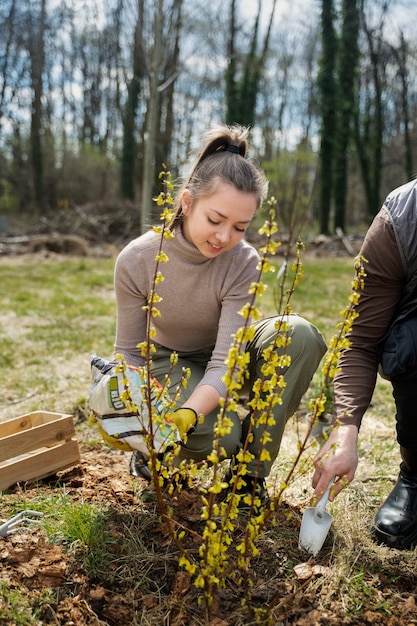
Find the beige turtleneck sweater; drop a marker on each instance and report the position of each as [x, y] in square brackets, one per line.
[201, 298]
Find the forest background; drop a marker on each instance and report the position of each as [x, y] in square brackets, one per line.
[95, 95]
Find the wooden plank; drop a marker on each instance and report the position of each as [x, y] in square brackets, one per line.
[24, 422]
[15, 425]
[40, 464]
[46, 434]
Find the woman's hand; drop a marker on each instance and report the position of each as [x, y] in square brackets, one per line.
[337, 459]
[185, 421]
[202, 401]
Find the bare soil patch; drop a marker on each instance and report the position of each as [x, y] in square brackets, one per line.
[299, 591]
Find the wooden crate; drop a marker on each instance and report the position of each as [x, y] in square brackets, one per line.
[36, 445]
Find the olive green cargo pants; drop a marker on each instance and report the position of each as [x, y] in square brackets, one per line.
[306, 349]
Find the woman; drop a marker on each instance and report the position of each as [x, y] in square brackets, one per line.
[206, 284]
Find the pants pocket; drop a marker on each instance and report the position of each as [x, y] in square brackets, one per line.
[397, 351]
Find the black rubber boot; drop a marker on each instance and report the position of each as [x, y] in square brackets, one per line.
[395, 524]
[139, 466]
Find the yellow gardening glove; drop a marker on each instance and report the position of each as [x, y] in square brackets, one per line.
[185, 420]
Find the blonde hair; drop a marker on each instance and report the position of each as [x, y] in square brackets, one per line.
[222, 158]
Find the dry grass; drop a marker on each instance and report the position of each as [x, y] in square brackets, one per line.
[54, 313]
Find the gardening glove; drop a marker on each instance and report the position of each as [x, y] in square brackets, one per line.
[185, 421]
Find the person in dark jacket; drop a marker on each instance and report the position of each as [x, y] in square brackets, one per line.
[383, 336]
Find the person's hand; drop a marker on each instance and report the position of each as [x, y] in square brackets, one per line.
[185, 421]
[337, 459]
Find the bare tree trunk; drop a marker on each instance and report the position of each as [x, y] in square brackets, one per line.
[379, 126]
[369, 118]
[232, 105]
[241, 95]
[6, 61]
[128, 161]
[167, 89]
[37, 65]
[327, 89]
[402, 55]
[151, 125]
[348, 59]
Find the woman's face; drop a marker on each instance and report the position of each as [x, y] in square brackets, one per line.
[217, 222]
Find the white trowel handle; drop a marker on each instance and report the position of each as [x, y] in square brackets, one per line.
[321, 504]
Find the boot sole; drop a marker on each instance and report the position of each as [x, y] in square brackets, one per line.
[400, 542]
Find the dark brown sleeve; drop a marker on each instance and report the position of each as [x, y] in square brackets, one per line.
[355, 383]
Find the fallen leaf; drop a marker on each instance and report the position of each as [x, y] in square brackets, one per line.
[303, 571]
[218, 622]
[320, 570]
[182, 584]
[409, 606]
[97, 593]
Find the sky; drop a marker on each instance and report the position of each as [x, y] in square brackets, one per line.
[401, 12]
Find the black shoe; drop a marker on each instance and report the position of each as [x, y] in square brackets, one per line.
[395, 524]
[140, 469]
[252, 491]
[139, 466]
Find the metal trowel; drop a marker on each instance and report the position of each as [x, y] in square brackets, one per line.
[315, 525]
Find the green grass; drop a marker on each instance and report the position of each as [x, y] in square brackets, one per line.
[19, 609]
[84, 529]
[321, 294]
[53, 315]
